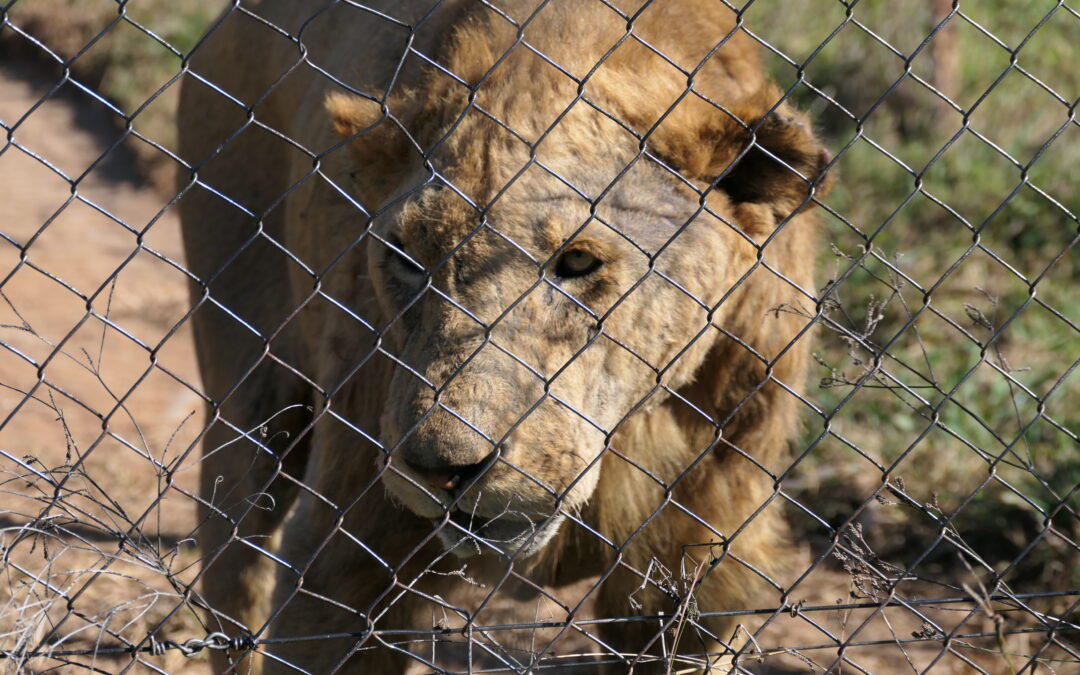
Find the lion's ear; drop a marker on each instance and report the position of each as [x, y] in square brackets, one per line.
[783, 163]
[760, 155]
[381, 148]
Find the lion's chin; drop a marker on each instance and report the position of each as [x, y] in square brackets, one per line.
[466, 535]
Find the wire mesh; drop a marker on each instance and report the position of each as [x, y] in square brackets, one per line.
[537, 335]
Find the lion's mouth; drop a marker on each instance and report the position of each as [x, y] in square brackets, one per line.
[468, 534]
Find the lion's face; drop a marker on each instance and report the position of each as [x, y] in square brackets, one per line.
[541, 277]
[529, 324]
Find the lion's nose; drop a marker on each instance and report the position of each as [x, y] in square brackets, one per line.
[447, 476]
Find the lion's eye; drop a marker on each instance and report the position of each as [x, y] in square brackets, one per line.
[399, 254]
[576, 263]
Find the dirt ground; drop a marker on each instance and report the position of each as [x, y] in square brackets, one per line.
[100, 414]
[98, 388]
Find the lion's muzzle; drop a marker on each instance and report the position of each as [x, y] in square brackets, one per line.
[449, 476]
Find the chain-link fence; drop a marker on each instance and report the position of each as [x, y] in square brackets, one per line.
[540, 335]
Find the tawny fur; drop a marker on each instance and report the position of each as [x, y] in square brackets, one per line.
[292, 341]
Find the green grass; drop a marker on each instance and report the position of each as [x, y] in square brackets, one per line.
[955, 230]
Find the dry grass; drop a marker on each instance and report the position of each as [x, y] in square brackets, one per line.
[96, 524]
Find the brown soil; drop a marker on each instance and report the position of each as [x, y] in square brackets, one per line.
[97, 390]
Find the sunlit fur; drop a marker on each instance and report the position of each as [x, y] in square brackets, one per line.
[601, 392]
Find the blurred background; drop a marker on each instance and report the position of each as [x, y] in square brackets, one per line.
[941, 433]
[952, 270]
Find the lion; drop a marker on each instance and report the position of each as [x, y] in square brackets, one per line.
[493, 293]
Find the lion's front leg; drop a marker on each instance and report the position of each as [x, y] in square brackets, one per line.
[344, 585]
[669, 600]
[714, 544]
[354, 564]
[337, 584]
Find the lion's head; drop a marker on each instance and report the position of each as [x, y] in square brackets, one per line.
[552, 251]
